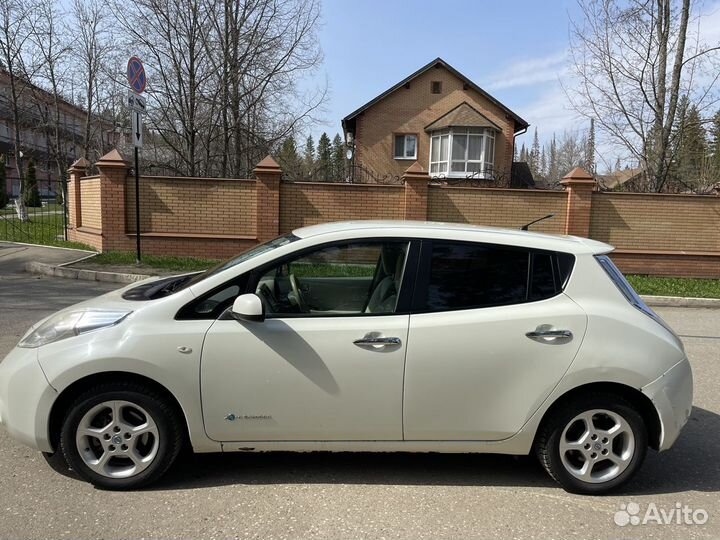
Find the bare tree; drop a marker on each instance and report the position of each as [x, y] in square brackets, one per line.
[171, 42]
[223, 78]
[49, 58]
[633, 59]
[89, 22]
[15, 30]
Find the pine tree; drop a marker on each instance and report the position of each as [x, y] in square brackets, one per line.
[535, 155]
[289, 160]
[338, 158]
[309, 158]
[553, 173]
[714, 149]
[32, 195]
[691, 150]
[523, 154]
[324, 157]
[3, 184]
[590, 148]
[543, 163]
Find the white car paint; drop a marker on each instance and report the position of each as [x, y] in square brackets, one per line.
[463, 381]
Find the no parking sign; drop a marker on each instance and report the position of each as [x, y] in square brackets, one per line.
[136, 75]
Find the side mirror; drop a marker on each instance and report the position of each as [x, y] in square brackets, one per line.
[248, 307]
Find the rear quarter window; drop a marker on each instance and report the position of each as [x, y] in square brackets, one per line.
[467, 275]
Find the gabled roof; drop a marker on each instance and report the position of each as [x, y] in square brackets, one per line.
[521, 124]
[464, 115]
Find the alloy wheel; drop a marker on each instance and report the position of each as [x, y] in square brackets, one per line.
[117, 439]
[597, 446]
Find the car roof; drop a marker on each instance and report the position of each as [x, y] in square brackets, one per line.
[454, 231]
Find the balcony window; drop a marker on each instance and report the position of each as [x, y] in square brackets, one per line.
[462, 152]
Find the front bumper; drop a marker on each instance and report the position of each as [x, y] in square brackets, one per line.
[26, 398]
[672, 394]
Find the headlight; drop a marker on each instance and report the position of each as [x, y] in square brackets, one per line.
[71, 323]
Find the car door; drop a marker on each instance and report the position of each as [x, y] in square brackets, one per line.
[327, 362]
[491, 335]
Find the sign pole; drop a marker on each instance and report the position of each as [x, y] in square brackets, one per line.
[137, 204]
[136, 103]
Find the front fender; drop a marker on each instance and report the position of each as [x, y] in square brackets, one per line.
[145, 352]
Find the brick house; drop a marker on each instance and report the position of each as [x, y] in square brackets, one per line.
[439, 118]
[36, 110]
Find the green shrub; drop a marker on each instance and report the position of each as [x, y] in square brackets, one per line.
[32, 194]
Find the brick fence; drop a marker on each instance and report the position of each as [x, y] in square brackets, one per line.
[674, 235]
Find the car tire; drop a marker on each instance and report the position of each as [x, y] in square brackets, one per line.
[594, 444]
[121, 436]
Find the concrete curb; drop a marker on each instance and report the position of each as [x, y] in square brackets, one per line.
[77, 273]
[679, 301]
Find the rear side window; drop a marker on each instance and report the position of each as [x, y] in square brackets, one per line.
[475, 275]
[466, 275]
[543, 283]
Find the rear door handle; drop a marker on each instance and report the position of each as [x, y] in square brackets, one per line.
[549, 335]
[371, 339]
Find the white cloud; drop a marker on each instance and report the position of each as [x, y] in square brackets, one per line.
[530, 71]
[550, 111]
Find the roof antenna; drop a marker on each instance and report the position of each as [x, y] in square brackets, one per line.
[525, 227]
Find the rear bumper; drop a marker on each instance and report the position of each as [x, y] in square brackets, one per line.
[26, 398]
[672, 394]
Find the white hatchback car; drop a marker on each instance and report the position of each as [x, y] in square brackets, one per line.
[360, 336]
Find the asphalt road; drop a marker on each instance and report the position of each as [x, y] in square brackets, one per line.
[358, 495]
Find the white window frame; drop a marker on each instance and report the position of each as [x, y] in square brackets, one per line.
[487, 153]
[405, 137]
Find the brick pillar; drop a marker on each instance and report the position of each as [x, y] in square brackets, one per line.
[579, 185]
[267, 195]
[76, 171]
[416, 192]
[113, 174]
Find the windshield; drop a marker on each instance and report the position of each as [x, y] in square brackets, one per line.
[245, 256]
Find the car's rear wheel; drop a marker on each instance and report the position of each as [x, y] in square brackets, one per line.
[121, 436]
[594, 444]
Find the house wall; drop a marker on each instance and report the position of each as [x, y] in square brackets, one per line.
[32, 133]
[410, 110]
[670, 235]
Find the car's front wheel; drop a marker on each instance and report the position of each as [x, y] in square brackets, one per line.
[121, 435]
[593, 444]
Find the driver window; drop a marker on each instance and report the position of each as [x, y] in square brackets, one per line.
[355, 278]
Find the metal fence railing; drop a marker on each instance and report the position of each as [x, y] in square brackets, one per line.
[46, 224]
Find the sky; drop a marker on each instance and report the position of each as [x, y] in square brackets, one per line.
[516, 50]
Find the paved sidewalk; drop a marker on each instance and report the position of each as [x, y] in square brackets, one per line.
[13, 256]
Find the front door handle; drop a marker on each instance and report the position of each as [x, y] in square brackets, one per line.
[547, 334]
[371, 339]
